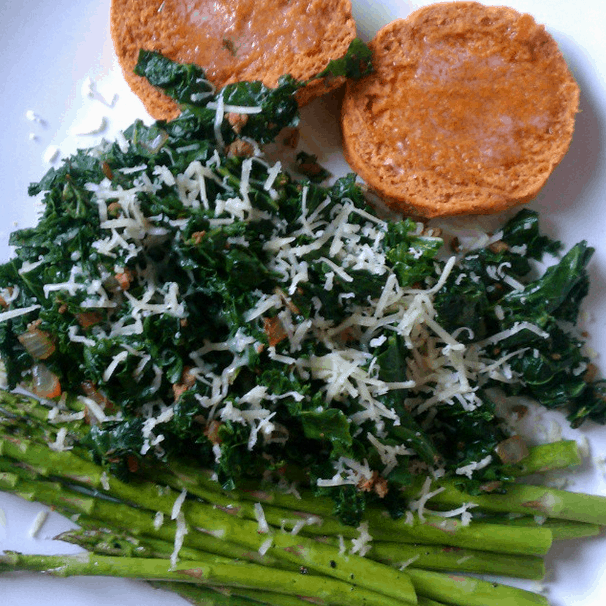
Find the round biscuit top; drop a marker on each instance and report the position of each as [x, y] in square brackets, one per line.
[468, 111]
[232, 40]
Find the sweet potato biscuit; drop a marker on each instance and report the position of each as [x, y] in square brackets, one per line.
[469, 110]
[233, 41]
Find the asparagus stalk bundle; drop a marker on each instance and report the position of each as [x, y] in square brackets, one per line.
[182, 532]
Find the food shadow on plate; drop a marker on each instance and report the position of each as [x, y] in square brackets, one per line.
[571, 187]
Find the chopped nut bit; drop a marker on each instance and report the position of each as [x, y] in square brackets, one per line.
[499, 246]
[132, 464]
[107, 171]
[197, 236]
[274, 330]
[240, 149]
[124, 278]
[114, 208]
[212, 432]
[520, 411]
[86, 319]
[237, 121]
[188, 380]
[375, 483]
[491, 486]
[310, 167]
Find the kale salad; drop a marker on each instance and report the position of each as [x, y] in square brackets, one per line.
[199, 302]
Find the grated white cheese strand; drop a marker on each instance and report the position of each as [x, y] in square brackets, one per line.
[178, 504]
[265, 546]
[362, 544]
[260, 516]
[93, 408]
[408, 562]
[59, 444]
[234, 109]
[218, 121]
[15, 313]
[158, 520]
[467, 470]
[37, 524]
[180, 533]
[426, 494]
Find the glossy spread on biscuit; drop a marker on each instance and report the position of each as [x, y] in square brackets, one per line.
[249, 31]
[467, 102]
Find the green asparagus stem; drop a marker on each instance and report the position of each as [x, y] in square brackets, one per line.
[562, 454]
[526, 499]
[113, 542]
[431, 557]
[544, 457]
[280, 508]
[100, 512]
[438, 557]
[432, 529]
[210, 572]
[469, 591]
[297, 550]
[423, 601]
[560, 529]
[110, 543]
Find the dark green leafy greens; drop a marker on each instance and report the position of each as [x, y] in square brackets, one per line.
[213, 307]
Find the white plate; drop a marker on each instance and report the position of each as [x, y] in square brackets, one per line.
[50, 49]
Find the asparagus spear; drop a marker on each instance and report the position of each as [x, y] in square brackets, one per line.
[101, 512]
[469, 591]
[562, 454]
[118, 543]
[526, 499]
[148, 495]
[211, 571]
[32, 455]
[431, 557]
[560, 529]
[438, 557]
[297, 550]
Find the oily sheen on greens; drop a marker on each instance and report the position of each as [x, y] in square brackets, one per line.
[220, 270]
